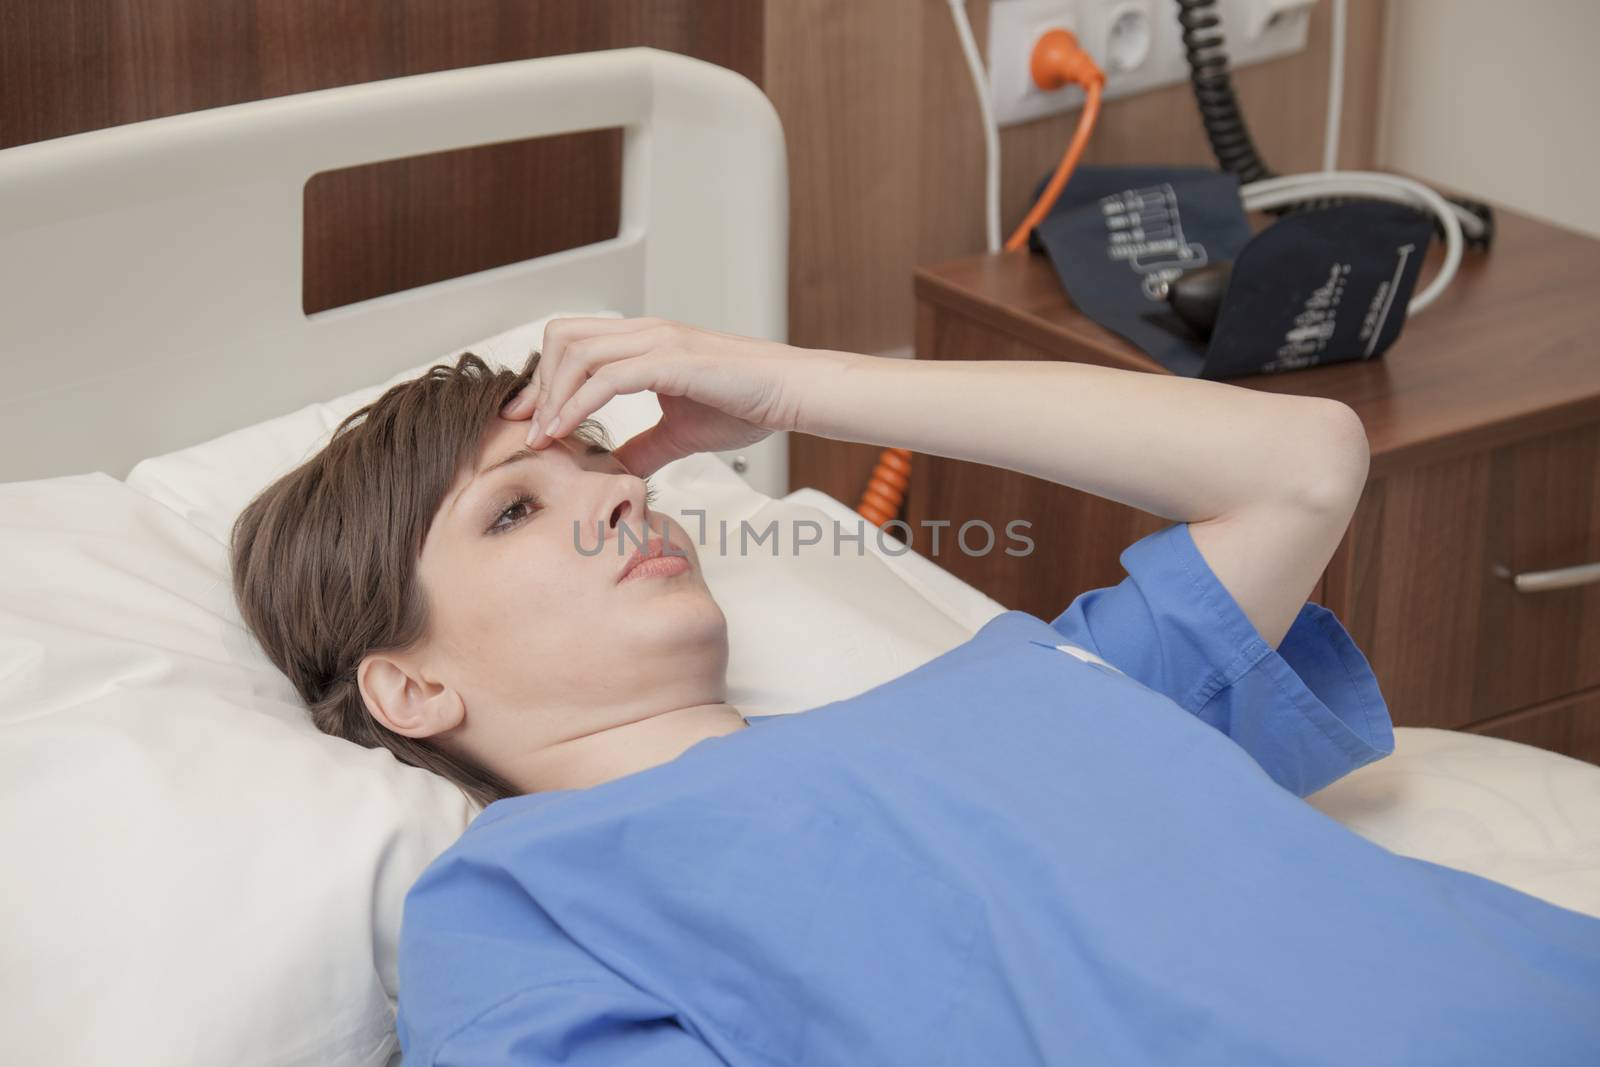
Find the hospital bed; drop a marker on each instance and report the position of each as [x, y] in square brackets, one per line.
[192, 873]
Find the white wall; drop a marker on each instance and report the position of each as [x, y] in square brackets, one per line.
[1499, 99]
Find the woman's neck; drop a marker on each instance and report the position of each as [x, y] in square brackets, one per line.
[622, 750]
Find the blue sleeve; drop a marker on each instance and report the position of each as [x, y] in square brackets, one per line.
[598, 1021]
[1309, 712]
[486, 977]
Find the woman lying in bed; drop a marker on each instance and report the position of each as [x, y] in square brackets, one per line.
[1074, 841]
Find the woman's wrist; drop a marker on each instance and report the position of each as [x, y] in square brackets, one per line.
[820, 379]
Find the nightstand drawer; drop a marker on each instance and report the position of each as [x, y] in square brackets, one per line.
[1570, 725]
[1452, 638]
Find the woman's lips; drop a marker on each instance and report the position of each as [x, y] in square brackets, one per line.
[657, 567]
[654, 558]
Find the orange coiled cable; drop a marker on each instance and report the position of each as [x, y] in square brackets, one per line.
[1057, 60]
[886, 489]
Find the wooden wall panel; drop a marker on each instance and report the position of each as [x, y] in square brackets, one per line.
[67, 66]
[387, 226]
[845, 77]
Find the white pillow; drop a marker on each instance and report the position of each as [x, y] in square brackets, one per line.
[210, 483]
[193, 873]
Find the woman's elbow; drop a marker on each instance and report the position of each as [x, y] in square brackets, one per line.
[1338, 456]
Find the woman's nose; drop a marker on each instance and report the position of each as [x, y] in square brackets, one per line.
[624, 503]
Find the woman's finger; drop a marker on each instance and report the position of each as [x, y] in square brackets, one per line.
[581, 360]
[520, 406]
[653, 372]
[562, 333]
[648, 451]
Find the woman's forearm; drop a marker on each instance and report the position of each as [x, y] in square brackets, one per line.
[1265, 483]
[1183, 448]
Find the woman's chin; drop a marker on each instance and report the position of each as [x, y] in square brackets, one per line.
[695, 615]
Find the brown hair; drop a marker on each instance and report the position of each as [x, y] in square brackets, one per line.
[324, 560]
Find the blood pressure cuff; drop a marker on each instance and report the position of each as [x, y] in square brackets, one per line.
[1315, 287]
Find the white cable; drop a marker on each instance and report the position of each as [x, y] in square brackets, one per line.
[1278, 192]
[991, 133]
[1471, 225]
[1330, 133]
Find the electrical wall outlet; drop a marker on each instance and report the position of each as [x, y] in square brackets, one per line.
[1014, 26]
[1138, 43]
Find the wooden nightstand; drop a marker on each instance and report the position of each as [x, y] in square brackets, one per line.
[1484, 423]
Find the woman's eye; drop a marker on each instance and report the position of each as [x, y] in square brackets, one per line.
[513, 513]
[526, 504]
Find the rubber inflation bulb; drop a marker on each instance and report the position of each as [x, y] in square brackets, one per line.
[1196, 295]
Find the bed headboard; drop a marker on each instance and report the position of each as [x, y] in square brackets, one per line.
[150, 274]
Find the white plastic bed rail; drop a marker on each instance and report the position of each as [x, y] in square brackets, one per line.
[150, 274]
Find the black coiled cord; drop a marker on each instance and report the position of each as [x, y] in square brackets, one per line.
[1209, 73]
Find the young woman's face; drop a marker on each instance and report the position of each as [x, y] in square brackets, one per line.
[531, 619]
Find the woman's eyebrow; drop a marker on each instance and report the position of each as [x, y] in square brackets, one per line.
[525, 452]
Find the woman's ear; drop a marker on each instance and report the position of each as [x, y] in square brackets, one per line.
[401, 699]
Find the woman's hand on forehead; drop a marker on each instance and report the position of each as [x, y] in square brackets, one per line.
[717, 391]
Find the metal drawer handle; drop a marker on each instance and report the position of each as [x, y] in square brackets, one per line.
[1544, 581]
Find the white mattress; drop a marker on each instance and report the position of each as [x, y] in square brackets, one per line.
[1507, 811]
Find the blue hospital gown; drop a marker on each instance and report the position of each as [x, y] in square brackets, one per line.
[1058, 843]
